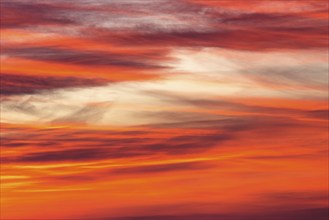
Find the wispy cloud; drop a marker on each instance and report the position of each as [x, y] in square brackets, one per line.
[192, 109]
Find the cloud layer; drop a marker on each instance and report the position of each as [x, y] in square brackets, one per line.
[164, 109]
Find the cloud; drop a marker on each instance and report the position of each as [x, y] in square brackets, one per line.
[224, 105]
[17, 84]
[187, 144]
[300, 214]
[319, 114]
[254, 32]
[137, 170]
[64, 155]
[299, 197]
[97, 147]
[58, 105]
[85, 114]
[289, 205]
[58, 145]
[282, 21]
[126, 170]
[292, 76]
[192, 109]
[189, 24]
[75, 57]
[252, 40]
[107, 15]
[20, 14]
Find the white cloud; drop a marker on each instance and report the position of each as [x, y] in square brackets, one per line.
[210, 74]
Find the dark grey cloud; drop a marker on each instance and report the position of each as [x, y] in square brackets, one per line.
[56, 138]
[112, 148]
[279, 205]
[246, 31]
[187, 144]
[63, 155]
[17, 84]
[112, 16]
[276, 21]
[97, 146]
[82, 154]
[161, 168]
[287, 156]
[320, 213]
[21, 14]
[88, 58]
[100, 144]
[238, 39]
[318, 114]
[299, 196]
[135, 23]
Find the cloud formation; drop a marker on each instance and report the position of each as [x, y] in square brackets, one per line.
[90, 58]
[164, 109]
[12, 84]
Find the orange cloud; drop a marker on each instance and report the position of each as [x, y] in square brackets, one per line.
[166, 109]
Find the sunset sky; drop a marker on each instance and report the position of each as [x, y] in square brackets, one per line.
[164, 109]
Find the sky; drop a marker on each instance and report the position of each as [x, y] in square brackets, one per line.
[164, 109]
